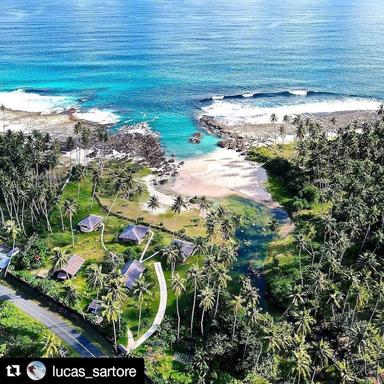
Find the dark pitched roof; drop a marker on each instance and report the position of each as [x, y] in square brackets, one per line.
[8, 251]
[5, 255]
[73, 265]
[91, 221]
[131, 272]
[95, 304]
[186, 247]
[134, 233]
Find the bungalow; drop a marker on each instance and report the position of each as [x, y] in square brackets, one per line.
[90, 223]
[186, 248]
[134, 234]
[131, 271]
[6, 254]
[70, 269]
[95, 307]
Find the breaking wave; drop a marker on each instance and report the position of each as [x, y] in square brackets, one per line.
[46, 104]
[237, 112]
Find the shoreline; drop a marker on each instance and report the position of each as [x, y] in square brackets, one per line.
[220, 173]
[243, 136]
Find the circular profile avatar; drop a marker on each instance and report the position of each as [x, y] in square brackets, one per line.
[36, 370]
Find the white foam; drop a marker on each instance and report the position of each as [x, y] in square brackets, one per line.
[19, 100]
[95, 115]
[217, 97]
[299, 92]
[141, 128]
[232, 113]
[247, 95]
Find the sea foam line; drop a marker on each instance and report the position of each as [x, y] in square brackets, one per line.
[232, 112]
[21, 100]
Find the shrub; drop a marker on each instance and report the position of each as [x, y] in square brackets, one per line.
[310, 193]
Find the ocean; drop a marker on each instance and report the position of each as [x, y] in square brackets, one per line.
[165, 62]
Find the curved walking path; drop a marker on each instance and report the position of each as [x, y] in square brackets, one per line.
[160, 312]
[151, 234]
[63, 328]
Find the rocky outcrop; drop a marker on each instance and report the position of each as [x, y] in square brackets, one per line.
[196, 138]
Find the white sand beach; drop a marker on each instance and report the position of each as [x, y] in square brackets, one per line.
[221, 173]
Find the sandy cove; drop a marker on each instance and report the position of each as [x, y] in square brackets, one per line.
[221, 173]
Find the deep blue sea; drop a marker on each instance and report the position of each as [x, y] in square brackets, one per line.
[162, 61]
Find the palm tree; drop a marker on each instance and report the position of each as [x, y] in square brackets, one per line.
[119, 185]
[141, 289]
[323, 353]
[178, 205]
[222, 279]
[380, 111]
[79, 175]
[52, 346]
[60, 207]
[252, 317]
[96, 280]
[58, 258]
[96, 173]
[211, 221]
[77, 129]
[300, 364]
[303, 322]
[178, 286]
[70, 294]
[172, 253]
[12, 230]
[204, 205]
[274, 121]
[70, 209]
[345, 374]
[283, 132]
[153, 203]
[111, 311]
[237, 307]
[194, 274]
[117, 289]
[207, 300]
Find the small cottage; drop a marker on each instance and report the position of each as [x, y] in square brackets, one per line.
[90, 223]
[131, 271]
[134, 234]
[6, 253]
[95, 307]
[186, 248]
[70, 269]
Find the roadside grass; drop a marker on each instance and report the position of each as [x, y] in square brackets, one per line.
[14, 321]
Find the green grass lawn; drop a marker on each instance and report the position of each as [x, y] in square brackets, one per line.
[88, 246]
[190, 220]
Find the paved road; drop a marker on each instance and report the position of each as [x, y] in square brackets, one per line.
[160, 312]
[55, 322]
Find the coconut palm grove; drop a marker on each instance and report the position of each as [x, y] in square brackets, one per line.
[319, 319]
[192, 188]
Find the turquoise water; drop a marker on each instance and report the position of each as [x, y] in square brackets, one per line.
[157, 60]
